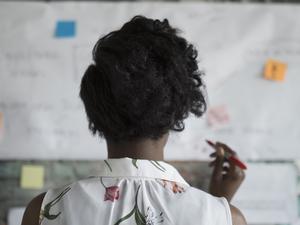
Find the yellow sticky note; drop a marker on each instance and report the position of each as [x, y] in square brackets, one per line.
[275, 70]
[32, 177]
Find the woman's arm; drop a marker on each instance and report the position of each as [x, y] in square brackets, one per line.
[237, 216]
[226, 180]
[32, 211]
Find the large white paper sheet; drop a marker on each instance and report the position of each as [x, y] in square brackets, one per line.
[269, 194]
[40, 76]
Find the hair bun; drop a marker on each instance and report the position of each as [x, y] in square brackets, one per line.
[161, 26]
[141, 24]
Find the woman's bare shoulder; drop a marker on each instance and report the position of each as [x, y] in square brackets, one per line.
[237, 216]
[32, 211]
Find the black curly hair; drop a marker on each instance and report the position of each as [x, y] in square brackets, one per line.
[144, 82]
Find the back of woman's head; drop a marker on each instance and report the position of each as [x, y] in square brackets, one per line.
[145, 82]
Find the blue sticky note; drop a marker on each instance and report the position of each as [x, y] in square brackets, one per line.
[65, 29]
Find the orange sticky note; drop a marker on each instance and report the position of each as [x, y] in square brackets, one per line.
[275, 70]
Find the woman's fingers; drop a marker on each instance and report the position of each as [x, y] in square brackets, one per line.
[217, 174]
[235, 172]
[225, 147]
[226, 168]
[227, 176]
[219, 145]
[212, 163]
[225, 171]
[222, 166]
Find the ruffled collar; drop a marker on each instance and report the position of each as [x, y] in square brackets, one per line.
[143, 168]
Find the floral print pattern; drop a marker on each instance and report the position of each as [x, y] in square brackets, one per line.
[153, 162]
[113, 193]
[152, 218]
[157, 165]
[140, 218]
[134, 163]
[45, 212]
[108, 165]
[171, 185]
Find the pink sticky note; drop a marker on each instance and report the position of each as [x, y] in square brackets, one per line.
[217, 115]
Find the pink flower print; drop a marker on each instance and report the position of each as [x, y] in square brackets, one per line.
[173, 186]
[111, 193]
[176, 188]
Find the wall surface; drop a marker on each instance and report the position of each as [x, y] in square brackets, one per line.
[45, 125]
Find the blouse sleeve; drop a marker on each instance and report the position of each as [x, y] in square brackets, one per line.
[52, 208]
[227, 210]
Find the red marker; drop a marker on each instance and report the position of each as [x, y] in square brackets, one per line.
[229, 155]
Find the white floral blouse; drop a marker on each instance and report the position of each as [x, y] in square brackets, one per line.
[133, 192]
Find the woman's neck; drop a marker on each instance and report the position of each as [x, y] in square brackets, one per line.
[143, 149]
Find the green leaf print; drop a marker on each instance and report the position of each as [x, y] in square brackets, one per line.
[108, 165]
[45, 213]
[157, 165]
[53, 217]
[153, 162]
[138, 221]
[134, 161]
[139, 217]
[125, 217]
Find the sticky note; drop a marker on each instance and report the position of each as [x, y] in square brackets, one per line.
[65, 29]
[217, 115]
[32, 177]
[275, 70]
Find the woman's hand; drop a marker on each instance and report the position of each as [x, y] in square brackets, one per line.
[226, 177]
